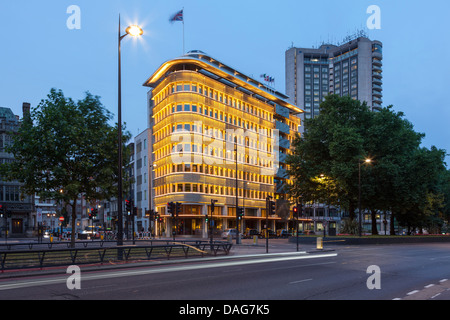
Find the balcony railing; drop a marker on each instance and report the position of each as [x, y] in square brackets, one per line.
[283, 127]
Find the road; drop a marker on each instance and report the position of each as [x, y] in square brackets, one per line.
[418, 271]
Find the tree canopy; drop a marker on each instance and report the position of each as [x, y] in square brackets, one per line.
[400, 178]
[65, 150]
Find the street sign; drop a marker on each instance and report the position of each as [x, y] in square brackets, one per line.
[61, 219]
[39, 215]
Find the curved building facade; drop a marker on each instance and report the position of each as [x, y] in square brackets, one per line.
[217, 135]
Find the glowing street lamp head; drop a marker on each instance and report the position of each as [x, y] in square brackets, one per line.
[368, 160]
[135, 31]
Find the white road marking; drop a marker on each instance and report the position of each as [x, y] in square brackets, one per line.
[299, 281]
[412, 292]
[128, 273]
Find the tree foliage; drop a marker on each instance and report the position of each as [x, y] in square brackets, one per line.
[65, 150]
[401, 178]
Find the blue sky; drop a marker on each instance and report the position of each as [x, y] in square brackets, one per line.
[38, 52]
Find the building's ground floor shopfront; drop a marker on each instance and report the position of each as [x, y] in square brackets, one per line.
[197, 221]
[17, 222]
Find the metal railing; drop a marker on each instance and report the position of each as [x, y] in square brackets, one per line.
[87, 252]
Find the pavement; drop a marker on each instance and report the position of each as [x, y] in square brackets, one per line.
[247, 246]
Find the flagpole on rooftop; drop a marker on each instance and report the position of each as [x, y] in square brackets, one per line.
[183, 33]
[179, 16]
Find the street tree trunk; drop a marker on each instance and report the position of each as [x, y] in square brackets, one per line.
[373, 214]
[74, 222]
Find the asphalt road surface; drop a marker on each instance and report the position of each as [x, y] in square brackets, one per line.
[388, 272]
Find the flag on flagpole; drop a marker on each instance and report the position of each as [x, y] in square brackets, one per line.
[177, 16]
[267, 78]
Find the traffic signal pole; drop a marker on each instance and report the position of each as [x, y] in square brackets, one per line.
[267, 224]
[270, 209]
[213, 202]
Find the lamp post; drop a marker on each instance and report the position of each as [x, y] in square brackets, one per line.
[238, 238]
[133, 31]
[359, 195]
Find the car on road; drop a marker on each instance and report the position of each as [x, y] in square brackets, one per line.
[270, 232]
[91, 232]
[283, 233]
[229, 232]
[250, 233]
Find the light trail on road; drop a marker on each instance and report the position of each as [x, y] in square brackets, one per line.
[129, 273]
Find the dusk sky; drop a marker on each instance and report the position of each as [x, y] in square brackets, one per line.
[39, 52]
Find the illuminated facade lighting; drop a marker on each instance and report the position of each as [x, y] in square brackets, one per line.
[197, 108]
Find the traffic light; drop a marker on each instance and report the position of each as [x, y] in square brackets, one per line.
[271, 207]
[1, 210]
[295, 211]
[94, 213]
[178, 208]
[240, 213]
[128, 206]
[213, 207]
[171, 208]
[90, 213]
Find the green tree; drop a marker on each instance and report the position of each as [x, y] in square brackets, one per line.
[65, 150]
[422, 200]
[392, 142]
[399, 178]
[332, 145]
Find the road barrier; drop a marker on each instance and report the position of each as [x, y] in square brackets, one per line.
[319, 244]
[155, 249]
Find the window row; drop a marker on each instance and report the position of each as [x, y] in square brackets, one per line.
[212, 170]
[250, 140]
[211, 189]
[178, 151]
[211, 113]
[214, 94]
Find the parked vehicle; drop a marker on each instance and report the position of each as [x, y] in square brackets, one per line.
[250, 233]
[228, 232]
[92, 232]
[270, 233]
[283, 233]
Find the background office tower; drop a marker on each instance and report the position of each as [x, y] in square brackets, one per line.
[353, 68]
[216, 134]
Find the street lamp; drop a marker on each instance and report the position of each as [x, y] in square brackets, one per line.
[133, 31]
[366, 161]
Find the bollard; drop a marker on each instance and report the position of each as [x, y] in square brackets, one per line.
[51, 239]
[255, 240]
[319, 243]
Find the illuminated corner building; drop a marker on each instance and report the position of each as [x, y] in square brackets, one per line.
[353, 69]
[211, 126]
